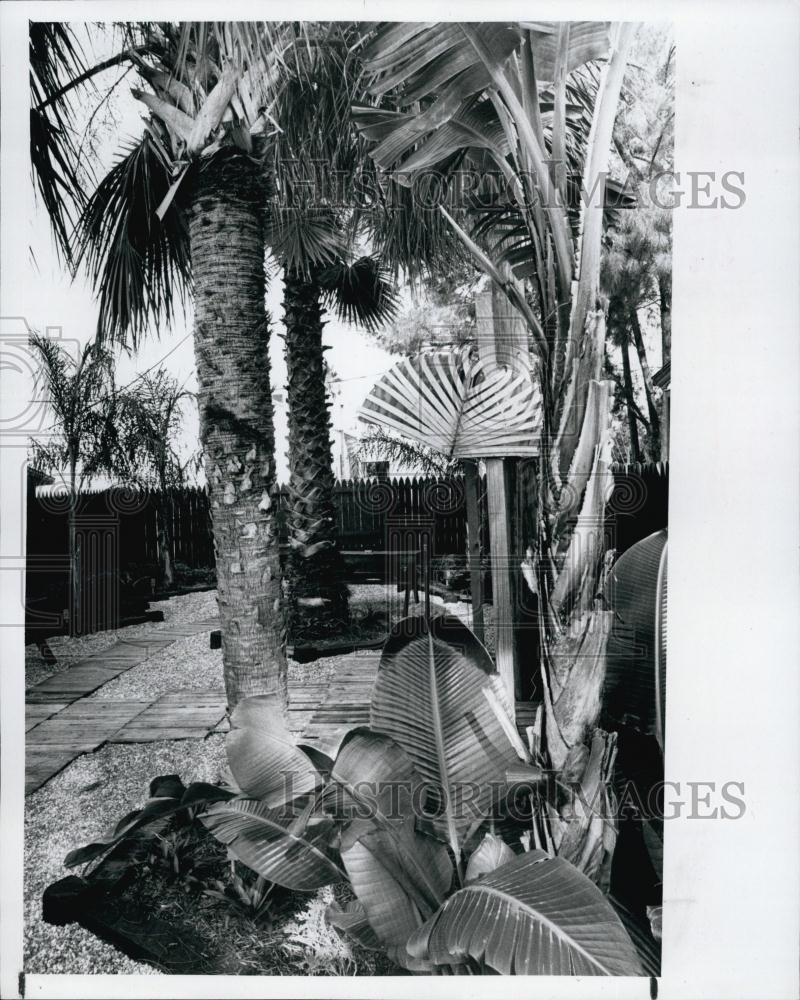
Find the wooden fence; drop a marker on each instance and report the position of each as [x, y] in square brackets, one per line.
[366, 510]
[118, 527]
[130, 516]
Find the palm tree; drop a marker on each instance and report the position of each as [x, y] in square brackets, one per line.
[618, 333]
[636, 271]
[314, 232]
[81, 442]
[185, 208]
[318, 594]
[151, 417]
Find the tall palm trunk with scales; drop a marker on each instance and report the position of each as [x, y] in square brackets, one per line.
[318, 596]
[231, 338]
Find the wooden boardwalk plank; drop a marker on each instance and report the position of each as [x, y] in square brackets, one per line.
[42, 763]
[175, 715]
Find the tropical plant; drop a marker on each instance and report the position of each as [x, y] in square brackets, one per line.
[444, 316]
[461, 854]
[250, 897]
[433, 831]
[151, 418]
[521, 116]
[55, 54]
[185, 207]
[379, 443]
[157, 226]
[82, 440]
[314, 234]
[318, 594]
[636, 269]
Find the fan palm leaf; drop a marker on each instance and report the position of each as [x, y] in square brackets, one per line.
[140, 265]
[55, 55]
[458, 406]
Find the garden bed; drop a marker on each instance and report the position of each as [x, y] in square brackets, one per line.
[188, 910]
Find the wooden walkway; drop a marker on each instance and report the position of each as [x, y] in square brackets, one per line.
[98, 669]
[61, 723]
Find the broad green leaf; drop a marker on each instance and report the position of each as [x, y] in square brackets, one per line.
[376, 775]
[536, 915]
[587, 40]
[635, 681]
[265, 840]
[171, 798]
[262, 754]
[395, 904]
[491, 853]
[430, 696]
[352, 920]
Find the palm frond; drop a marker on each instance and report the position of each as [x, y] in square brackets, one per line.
[362, 292]
[83, 400]
[55, 57]
[378, 443]
[304, 240]
[138, 265]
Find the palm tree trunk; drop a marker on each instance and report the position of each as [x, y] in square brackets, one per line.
[665, 302]
[165, 538]
[632, 428]
[318, 596]
[231, 338]
[76, 609]
[654, 437]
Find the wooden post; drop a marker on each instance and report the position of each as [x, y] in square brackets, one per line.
[474, 546]
[501, 332]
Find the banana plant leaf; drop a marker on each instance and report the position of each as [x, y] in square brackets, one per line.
[374, 774]
[536, 915]
[447, 74]
[394, 901]
[437, 695]
[168, 797]
[277, 847]
[491, 853]
[352, 920]
[262, 755]
[636, 653]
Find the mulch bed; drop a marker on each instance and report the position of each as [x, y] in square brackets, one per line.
[166, 912]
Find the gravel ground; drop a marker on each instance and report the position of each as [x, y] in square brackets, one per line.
[68, 650]
[76, 806]
[187, 663]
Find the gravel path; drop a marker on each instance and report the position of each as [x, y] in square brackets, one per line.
[187, 663]
[68, 650]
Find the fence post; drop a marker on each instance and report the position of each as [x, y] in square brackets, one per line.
[501, 332]
[474, 546]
